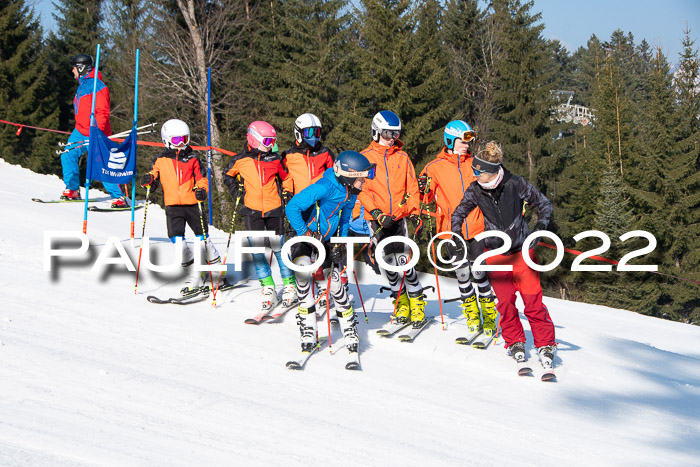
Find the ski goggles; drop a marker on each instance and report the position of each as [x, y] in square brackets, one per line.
[178, 140]
[390, 134]
[267, 141]
[480, 166]
[311, 132]
[467, 136]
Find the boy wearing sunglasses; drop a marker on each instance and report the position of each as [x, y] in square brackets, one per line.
[444, 180]
[184, 181]
[500, 196]
[388, 199]
[262, 172]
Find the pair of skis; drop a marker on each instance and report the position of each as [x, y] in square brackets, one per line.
[525, 369]
[352, 362]
[410, 334]
[477, 339]
[195, 296]
[91, 200]
[271, 314]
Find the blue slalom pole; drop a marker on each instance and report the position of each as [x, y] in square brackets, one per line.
[136, 107]
[209, 139]
[133, 182]
[92, 123]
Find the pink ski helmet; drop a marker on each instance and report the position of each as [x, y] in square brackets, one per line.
[261, 134]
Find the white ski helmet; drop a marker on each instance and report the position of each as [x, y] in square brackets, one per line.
[174, 133]
[307, 127]
[386, 122]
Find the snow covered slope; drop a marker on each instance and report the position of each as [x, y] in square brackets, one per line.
[91, 373]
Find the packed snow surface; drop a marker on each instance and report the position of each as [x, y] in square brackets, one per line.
[91, 373]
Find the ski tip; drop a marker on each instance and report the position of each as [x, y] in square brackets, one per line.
[293, 365]
[525, 372]
[252, 321]
[352, 366]
[549, 377]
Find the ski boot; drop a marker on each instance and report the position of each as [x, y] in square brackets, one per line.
[192, 285]
[269, 297]
[70, 195]
[289, 292]
[517, 351]
[322, 305]
[119, 203]
[306, 320]
[546, 354]
[488, 311]
[348, 323]
[471, 310]
[417, 306]
[403, 309]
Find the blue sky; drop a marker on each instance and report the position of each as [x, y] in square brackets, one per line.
[659, 22]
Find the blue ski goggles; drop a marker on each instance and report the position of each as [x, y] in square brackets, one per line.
[311, 132]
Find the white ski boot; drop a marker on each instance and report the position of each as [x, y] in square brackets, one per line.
[269, 297]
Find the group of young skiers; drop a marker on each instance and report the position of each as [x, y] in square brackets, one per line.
[320, 195]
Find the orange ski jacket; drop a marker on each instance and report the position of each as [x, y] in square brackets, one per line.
[394, 189]
[305, 166]
[179, 172]
[451, 175]
[260, 172]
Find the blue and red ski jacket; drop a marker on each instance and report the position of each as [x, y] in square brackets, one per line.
[82, 104]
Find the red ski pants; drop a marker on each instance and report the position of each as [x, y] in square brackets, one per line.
[525, 280]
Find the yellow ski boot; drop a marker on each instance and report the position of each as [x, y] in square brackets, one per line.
[488, 311]
[417, 305]
[402, 309]
[471, 311]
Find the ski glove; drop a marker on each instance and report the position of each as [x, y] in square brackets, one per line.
[147, 180]
[458, 251]
[200, 194]
[423, 183]
[385, 220]
[337, 254]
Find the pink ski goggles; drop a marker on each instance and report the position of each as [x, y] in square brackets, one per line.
[178, 140]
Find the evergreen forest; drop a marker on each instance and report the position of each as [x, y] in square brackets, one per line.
[633, 166]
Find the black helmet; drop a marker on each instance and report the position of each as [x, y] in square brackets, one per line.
[83, 63]
[350, 165]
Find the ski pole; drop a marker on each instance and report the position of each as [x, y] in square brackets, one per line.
[360, 294]
[430, 231]
[143, 232]
[204, 234]
[228, 243]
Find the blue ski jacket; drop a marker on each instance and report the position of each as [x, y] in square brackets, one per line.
[335, 204]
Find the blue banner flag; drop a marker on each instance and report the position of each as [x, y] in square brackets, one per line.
[112, 162]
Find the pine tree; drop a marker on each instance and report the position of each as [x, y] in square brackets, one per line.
[379, 54]
[78, 32]
[25, 90]
[425, 102]
[469, 43]
[522, 98]
[684, 174]
[302, 64]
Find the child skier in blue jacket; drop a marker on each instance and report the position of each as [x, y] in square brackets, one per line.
[334, 196]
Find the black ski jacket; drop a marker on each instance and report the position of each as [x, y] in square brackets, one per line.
[503, 210]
